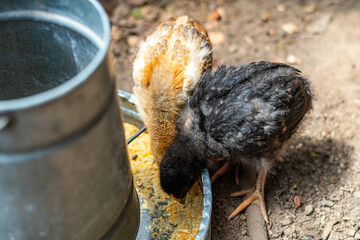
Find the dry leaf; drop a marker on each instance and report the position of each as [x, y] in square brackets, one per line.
[214, 16]
[222, 13]
[297, 201]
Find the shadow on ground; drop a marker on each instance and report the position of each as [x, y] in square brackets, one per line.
[310, 169]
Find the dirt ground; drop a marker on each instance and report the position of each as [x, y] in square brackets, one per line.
[322, 167]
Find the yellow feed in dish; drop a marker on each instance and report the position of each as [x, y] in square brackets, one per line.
[170, 219]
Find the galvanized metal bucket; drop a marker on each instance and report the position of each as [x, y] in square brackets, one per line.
[64, 169]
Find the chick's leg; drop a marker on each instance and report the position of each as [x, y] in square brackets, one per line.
[256, 196]
[221, 171]
[227, 166]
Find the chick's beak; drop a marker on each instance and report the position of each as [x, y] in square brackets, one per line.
[179, 200]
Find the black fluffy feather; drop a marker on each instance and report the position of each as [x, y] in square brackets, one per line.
[242, 113]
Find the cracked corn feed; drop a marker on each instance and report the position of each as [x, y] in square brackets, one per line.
[170, 219]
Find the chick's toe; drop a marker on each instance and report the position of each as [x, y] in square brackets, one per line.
[256, 197]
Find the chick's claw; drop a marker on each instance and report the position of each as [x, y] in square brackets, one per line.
[256, 197]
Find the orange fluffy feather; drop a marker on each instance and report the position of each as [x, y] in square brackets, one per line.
[166, 70]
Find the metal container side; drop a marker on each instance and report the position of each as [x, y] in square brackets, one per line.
[64, 168]
[87, 19]
[128, 108]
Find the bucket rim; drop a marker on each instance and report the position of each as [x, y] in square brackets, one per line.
[37, 99]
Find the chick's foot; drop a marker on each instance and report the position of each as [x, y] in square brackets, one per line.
[227, 166]
[256, 197]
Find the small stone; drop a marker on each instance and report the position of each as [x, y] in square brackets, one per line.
[242, 217]
[281, 8]
[351, 232]
[335, 236]
[150, 13]
[357, 235]
[290, 28]
[116, 33]
[288, 232]
[357, 194]
[228, 210]
[326, 203]
[310, 9]
[274, 235]
[217, 37]
[327, 230]
[272, 32]
[266, 16]
[309, 209]
[335, 196]
[232, 48]
[248, 39]
[320, 25]
[285, 222]
[133, 41]
[291, 59]
[116, 52]
[350, 190]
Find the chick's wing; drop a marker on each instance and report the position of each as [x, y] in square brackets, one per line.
[253, 106]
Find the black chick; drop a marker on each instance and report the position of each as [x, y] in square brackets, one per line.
[243, 114]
